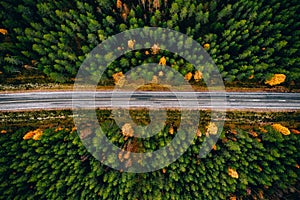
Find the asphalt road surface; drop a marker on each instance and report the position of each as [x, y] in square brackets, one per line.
[152, 100]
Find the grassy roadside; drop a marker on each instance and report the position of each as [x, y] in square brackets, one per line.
[28, 87]
[25, 82]
[64, 118]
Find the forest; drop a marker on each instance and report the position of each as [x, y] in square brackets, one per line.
[46, 159]
[249, 41]
[252, 42]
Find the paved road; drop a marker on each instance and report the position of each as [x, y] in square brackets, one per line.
[184, 100]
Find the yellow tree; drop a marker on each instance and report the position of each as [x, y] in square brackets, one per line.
[130, 44]
[119, 4]
[155, 49]
[3, 31]
[233, 173]
[276, 79]
[198, 76]
[156, 4]
[281, 129]
[162, 61]
[119, 79]
[188, 76]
